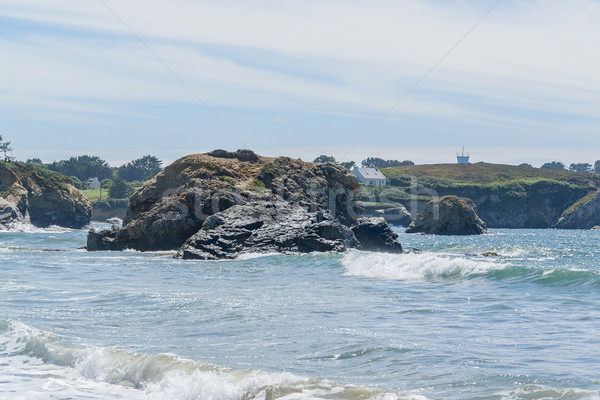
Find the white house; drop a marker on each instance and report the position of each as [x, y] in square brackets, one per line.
[370, 176]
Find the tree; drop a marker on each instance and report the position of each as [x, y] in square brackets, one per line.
[555, 165]
[120, 189]
[83, 167]
[597, 167]
[526, 165]
[34, 161]
[323, 159]
[582, 167]
[348, 165]
[381, 163]
[6, 149]
[140, 169]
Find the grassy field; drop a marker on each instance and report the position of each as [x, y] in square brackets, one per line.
[94, 194]
[486, 174]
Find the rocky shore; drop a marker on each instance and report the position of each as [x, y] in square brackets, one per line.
[222, 204]
[29, 194]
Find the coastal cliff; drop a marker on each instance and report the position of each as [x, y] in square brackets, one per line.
[29, 194]
[222, 204]
[505, 196]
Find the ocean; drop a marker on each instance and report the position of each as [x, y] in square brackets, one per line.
[443, 324]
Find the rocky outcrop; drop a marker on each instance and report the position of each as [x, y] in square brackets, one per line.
[396, 214]
[448, 215]
[222, 204]
[374, 234]
[31, 194]
[584, 214]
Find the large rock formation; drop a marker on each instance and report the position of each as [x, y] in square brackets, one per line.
[584, 214]
[222, 204]
[448, 215]
[30, 194]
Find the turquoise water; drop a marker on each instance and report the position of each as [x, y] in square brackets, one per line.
[443, 324]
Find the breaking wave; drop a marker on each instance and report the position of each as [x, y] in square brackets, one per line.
[416, 267]
[45, 363]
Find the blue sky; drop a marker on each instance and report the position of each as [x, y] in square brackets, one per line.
[121, 79]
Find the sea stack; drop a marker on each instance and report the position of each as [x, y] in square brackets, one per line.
[223, 204]
[448, 215]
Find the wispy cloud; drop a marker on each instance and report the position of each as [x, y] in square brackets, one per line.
[530, 64]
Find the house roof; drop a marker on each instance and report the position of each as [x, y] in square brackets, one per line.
[369, 173]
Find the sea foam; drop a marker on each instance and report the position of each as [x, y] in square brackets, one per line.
[416, 267]
[41, 364]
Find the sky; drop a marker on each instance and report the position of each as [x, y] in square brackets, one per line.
[512, 81]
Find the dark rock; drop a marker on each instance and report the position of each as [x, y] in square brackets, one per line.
[9, 213]
[374, 234]
[448, 215]
[584, 214]
[241, 155]
[105, 240]
[221, 205]
[490, 254]
[398, 215]
[266, 227]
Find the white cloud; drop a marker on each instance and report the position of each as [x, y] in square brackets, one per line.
[525, 61]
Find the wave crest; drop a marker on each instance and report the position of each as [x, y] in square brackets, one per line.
[160, 376]
[416, 267]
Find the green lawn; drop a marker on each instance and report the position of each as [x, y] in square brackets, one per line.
[94, 194]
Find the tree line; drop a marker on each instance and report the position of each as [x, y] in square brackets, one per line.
[118, 180]
[373, 162]
[574, 167]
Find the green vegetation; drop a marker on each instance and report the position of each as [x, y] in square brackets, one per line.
[83, 167]
[140, 169]
[257, 184]
[31, 175]
[94, 194]
[577, 205]
[6, 150]
[377, 162]
[451, 175]
[111, 204]
[323, 159]
[581, 167]
[119, 188]
[554, 165]
[226, 178]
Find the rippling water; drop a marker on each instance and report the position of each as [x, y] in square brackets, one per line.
[443, 324]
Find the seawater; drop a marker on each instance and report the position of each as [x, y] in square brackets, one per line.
[443, 324]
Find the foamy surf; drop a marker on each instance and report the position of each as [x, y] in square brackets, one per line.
[27, 227]
[41, 365]
[416, 267]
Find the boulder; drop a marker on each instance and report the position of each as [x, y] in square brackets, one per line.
[397, 215]
[374, 234]
[448, 215]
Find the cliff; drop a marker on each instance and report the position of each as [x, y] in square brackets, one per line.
[221, 204]
[505, 196]
[41, 197]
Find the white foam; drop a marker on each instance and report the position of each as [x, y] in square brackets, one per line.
[41, 365]
[415, 267]
[27, 227]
